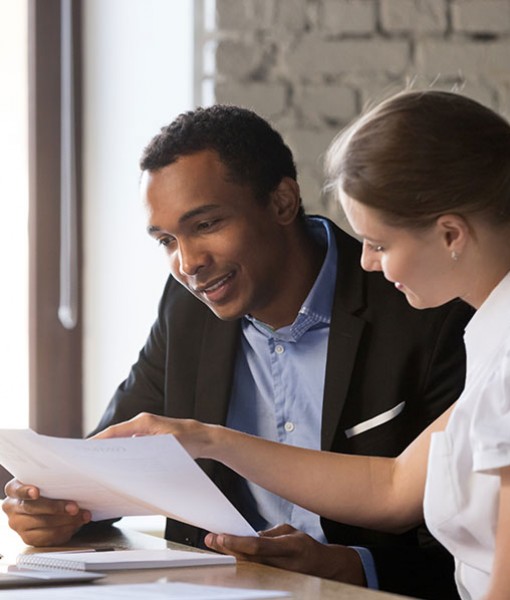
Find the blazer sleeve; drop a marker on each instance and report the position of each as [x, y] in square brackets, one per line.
[419, 572]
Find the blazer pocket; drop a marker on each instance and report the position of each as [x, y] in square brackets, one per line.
[380, 419]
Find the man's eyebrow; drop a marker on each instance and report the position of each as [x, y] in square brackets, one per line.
[196, 212]
[186, 216]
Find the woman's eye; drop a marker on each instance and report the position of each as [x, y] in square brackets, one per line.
[375, 247]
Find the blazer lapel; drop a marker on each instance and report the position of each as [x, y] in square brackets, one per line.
[345, 334]
[344, 338]
[216, 369]
[214, 377]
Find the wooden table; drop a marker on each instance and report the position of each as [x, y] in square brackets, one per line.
[241, 575]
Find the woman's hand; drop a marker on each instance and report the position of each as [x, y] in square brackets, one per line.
[198, 438]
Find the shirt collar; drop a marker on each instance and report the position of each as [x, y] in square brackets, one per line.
[316, 310]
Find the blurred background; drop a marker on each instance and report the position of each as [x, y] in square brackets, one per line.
[85, 85]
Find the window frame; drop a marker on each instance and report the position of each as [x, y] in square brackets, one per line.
[55, 353]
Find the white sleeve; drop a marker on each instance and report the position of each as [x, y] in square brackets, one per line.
[490, 426]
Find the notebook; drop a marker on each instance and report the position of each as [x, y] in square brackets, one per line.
[113, 560]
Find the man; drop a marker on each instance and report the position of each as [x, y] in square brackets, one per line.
[269, 325]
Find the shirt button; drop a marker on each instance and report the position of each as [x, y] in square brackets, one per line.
[279, 349]
[289, 426]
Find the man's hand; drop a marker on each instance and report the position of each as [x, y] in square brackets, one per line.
[41, 521]
[287, 548]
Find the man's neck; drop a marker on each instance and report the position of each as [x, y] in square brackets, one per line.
[305, 262]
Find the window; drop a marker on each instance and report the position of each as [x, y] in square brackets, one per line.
[138, 71]
[138, 76]
[14, 214]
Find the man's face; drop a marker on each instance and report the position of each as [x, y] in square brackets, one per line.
[224, 246]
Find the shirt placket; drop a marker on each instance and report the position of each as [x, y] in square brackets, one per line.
[279, 365]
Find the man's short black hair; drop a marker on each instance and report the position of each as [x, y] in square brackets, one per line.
[253, 152]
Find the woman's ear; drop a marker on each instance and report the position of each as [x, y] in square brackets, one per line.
[286, 200]
[455, 231]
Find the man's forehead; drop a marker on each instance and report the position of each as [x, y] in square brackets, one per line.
[206, 162]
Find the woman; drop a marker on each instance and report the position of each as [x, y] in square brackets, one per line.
[424, 180]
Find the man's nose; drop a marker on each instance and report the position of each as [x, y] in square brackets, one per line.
[191, 258]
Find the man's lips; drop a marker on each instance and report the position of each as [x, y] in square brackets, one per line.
[214, 285]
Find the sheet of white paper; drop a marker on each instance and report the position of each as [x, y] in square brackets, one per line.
[145, 591]
[121, 477]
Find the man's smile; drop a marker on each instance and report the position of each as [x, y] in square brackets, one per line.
[216, 289]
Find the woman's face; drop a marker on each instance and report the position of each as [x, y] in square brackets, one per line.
[417, 261]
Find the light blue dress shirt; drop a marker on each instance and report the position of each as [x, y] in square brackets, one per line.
[278, 387]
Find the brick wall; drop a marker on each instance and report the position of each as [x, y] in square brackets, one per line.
[309, 66]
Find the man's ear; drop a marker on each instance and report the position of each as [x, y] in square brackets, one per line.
[286, 200]
[455, 231]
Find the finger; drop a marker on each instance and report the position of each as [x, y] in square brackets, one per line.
[254, 548]
[142, 424]
[116, 431]
[24, 522]
[16, 489]
[248, 550]
[277, 530]
[45, 506]
[215, 542]
[41, 530]
[50, 536]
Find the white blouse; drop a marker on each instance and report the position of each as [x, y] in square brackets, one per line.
[462, 489]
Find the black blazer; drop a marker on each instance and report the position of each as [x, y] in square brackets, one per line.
[381, 353]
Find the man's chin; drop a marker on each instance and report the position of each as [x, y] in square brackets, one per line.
[224, 313]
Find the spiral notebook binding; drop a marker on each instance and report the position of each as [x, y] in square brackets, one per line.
[43, 563]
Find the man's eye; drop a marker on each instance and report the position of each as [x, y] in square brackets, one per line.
[205, 225]
[165, 241]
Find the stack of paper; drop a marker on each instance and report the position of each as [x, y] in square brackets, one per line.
[119, 477]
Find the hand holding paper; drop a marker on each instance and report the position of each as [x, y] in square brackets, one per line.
[120, 477]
